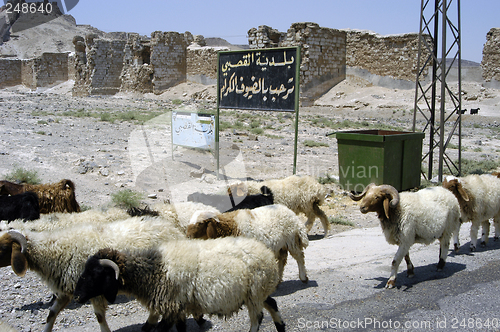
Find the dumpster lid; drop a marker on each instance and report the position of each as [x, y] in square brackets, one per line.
[378, 135]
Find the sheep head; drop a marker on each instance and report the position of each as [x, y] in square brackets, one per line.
[203, 225]
[101, 276]
[378, 199]
[13, 246]
[454, 185]
[238, 189]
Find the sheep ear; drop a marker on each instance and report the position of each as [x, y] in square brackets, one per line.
[387, 202]
[462, 192]
[18, 261]
[211, 231]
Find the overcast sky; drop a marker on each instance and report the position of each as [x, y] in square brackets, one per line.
[232, 19]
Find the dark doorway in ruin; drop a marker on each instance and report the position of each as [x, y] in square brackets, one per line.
[146, 55]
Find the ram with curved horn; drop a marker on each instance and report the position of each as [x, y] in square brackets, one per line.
[412, 217]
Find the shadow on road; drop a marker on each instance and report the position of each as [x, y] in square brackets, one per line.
[422, 273]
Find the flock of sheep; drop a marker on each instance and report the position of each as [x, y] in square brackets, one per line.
[214, 253]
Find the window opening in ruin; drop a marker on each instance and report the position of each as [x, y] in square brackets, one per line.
[146, 55]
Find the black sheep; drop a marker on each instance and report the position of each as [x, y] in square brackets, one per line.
[22, 206]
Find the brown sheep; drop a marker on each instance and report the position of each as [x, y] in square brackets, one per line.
[53, 197]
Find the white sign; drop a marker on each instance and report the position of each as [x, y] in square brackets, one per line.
[193, 130]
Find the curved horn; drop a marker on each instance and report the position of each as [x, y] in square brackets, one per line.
[19, 238]
[111, 264]
[392, 192]
[360, 196]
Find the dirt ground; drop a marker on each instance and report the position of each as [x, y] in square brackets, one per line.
[60, 136]
[52, 133]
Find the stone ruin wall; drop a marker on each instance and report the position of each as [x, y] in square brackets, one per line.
[49, 69]
[201, 63]
[157, 63]
[323, 54]
[98, 65]
[10, 72]
[42, 71]
[137, 72]
[491, 56]
[393, 55]
[168, 58]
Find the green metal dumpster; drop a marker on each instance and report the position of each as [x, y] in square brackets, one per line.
[379, 156]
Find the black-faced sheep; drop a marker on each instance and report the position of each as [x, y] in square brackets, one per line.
[59, 256]
[214, 277]
[301, 194]
[52, 197]
[22, 206]
[232, 202]
[412, 217]
[479, 199]
[275, 225]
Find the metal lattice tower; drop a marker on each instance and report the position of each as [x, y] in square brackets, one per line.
[432, 41]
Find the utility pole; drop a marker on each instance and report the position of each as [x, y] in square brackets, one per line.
[433, 36]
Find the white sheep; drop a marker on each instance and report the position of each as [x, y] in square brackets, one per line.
[57, 220]
[479, 199]
[275, 225]
[301, 194]
[58, 256]
[412, 217]
[214, 277]
[181, 212]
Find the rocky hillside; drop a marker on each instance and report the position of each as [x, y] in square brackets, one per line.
[54, 35]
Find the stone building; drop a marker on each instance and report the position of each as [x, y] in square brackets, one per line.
[491, 58]
[394, 56]
[99, 63]
[323, 54]
[168, 58]
[201, 64]
[42, 71]
[137, 72]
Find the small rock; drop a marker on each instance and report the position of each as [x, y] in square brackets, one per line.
[197, 173]
[153, 196]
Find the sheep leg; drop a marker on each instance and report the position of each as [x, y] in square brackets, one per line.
[282, 257]
[496, 222]
[473, 235]
[456, 234]
[410, 273]
[99, 303]
[310, 221]
[486, 232]
[443, 252]
[150, 323]
[61, 301]
[298, 255]
[272, 307]
[164, 325]
[256, 316]
[322, 216]
[402, 251]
